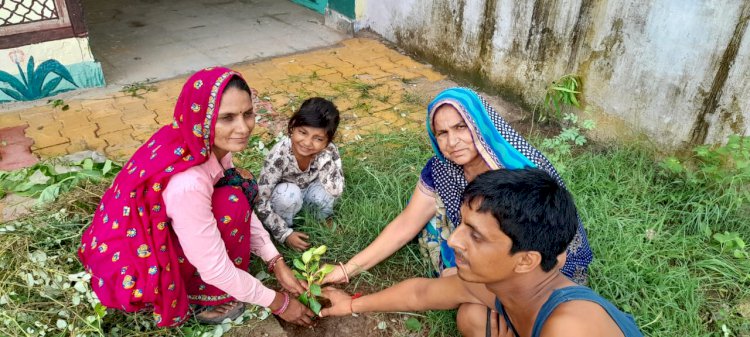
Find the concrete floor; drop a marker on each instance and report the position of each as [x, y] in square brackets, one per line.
[159, 39]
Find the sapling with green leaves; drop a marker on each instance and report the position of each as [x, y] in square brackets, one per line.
[309, 270]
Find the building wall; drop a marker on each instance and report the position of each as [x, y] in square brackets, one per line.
[44, 50]
[316, 5]
[345, 7]
[677, 71]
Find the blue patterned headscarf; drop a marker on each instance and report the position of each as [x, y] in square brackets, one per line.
[476, 112]
[501, 147]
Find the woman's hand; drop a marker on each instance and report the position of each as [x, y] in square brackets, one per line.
[338, 275]
[295, 313]
[341, 302]
[286, 278]
[296, 240]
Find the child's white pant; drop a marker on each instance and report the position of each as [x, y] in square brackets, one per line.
[287, 200]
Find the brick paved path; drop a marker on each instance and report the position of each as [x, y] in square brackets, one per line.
[371, 84]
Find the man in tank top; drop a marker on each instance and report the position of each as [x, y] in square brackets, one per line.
[509, 247]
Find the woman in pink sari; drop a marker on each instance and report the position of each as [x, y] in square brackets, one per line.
[177, 227]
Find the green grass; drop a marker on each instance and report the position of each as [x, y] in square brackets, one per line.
[650, 232]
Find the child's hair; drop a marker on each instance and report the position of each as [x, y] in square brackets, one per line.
[535, 212]
[316, 112]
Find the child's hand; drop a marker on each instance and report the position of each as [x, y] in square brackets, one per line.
[297, 241]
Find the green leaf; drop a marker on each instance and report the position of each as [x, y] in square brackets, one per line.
[304, 299]
[298, 264]
[327, 269]
[49, 194]
[556, 107]
[315, 305]
[574, 101]
[315, 265]
[88, 164]
[565, 90]
[93, 174]
[306, 256]
[299, 276]
[107, 167]
[413, 324]
[726, 237]
[320, 250]
[100, 310]
[19, 175]
[315, 289]
[38, 178]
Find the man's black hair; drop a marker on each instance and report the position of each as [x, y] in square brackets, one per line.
[316, 112]
[531, 209]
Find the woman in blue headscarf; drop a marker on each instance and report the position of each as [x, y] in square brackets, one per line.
[469, 137]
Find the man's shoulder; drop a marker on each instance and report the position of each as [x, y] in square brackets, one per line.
[580, 318]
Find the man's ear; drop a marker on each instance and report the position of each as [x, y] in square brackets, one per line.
[527, 261]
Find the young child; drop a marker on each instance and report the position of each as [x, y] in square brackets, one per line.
[303, 168]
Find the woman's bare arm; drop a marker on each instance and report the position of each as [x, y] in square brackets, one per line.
[396, 234]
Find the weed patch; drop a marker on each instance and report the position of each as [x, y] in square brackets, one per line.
[138, 89]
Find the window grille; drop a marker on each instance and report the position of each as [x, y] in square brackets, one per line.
[14, 12]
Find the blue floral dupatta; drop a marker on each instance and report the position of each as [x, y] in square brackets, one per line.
[501, 147]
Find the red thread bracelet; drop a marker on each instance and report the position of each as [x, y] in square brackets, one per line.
[351, 304]
[283, 306]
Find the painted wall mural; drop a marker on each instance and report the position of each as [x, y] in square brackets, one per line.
[46, 69]
[34, 83]
[44, 50]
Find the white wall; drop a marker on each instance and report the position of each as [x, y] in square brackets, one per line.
[659, 67]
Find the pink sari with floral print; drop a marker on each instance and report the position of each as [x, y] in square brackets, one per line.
[129, 249]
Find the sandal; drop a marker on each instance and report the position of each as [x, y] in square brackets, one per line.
[232, 314]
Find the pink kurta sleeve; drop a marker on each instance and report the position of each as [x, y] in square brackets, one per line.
[187, 199]
[260, 241]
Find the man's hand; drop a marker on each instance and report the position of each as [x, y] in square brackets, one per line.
[296, 240]
[286, 278]
[341, 302]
